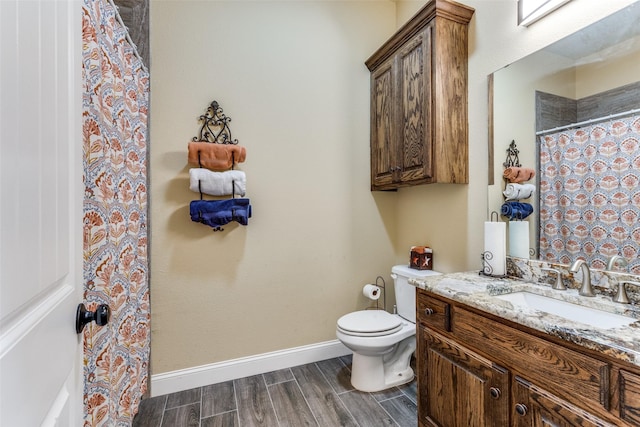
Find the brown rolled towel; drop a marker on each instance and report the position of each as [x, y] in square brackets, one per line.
[216, 157]
[514, 174]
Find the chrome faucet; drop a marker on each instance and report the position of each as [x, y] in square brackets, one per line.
[586, 289]
[616, 259]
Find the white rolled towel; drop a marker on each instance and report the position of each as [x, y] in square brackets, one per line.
[217, 183]
[515, 191]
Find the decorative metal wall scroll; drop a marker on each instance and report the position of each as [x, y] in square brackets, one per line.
[512, 156]
[215, 126]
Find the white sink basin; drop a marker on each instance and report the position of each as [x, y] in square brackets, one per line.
[574, 312]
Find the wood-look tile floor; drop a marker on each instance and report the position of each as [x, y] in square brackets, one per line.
[316, 394]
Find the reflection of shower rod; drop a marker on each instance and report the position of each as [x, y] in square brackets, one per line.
[588, 122]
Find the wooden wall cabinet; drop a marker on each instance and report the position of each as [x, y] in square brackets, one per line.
[474, 369]
[419, 129]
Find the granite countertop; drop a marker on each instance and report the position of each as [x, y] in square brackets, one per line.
[480, 292]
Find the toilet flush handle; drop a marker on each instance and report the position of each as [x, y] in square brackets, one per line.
[394, 276]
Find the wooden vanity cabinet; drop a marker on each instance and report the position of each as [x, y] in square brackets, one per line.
[419, 129]
[476, 370]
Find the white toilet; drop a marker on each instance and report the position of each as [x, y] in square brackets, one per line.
[383, 343]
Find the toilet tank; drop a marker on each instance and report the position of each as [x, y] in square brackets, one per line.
[406, 293]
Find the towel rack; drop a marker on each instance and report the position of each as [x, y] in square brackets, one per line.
[215, 129]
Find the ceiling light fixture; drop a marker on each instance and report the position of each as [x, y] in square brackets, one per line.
[529, 11]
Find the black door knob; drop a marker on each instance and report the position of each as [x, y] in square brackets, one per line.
[100, 316]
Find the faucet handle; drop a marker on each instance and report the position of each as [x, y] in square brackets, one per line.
[559, 286]
[622, 296]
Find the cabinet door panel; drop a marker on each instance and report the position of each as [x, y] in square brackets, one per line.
[414, 65]
[383, 157]
[458, 385]
[535, 407]
[630, 397]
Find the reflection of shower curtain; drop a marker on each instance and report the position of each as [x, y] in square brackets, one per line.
[115, 105]
[590, 193]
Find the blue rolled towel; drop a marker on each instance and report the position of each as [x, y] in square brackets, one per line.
[216, 213]
[516, 210]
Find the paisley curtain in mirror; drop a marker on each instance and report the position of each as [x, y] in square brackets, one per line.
[115, 106]
[590, 193]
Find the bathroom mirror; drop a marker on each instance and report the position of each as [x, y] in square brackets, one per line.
[600, 59]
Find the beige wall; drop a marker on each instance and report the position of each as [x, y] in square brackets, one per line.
[292, 78]
[600, 76]
[291, 75]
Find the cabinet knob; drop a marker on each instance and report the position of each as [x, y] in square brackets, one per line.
[495, 392]
[521, 409]
[428, 311]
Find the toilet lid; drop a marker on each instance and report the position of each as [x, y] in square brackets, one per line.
[369, 323]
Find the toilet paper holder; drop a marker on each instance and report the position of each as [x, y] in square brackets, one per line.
[384, 293]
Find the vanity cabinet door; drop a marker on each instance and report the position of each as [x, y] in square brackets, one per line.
[533, 406]
[459, 388]
[630, 397]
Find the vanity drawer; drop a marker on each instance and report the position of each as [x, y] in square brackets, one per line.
[580, 377]
[433, 312]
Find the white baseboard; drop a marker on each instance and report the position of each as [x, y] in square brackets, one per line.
[198, 376]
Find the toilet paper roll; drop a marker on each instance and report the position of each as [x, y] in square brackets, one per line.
[371, 292]
[519, 239]
[495, 248]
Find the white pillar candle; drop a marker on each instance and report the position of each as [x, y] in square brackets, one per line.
[495, 248]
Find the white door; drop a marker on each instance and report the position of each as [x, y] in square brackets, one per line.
[40, 212]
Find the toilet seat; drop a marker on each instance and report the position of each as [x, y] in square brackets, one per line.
[369, 323]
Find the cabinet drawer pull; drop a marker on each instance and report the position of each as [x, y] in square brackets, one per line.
[495, 392]
[428, 311]
[521, 409]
